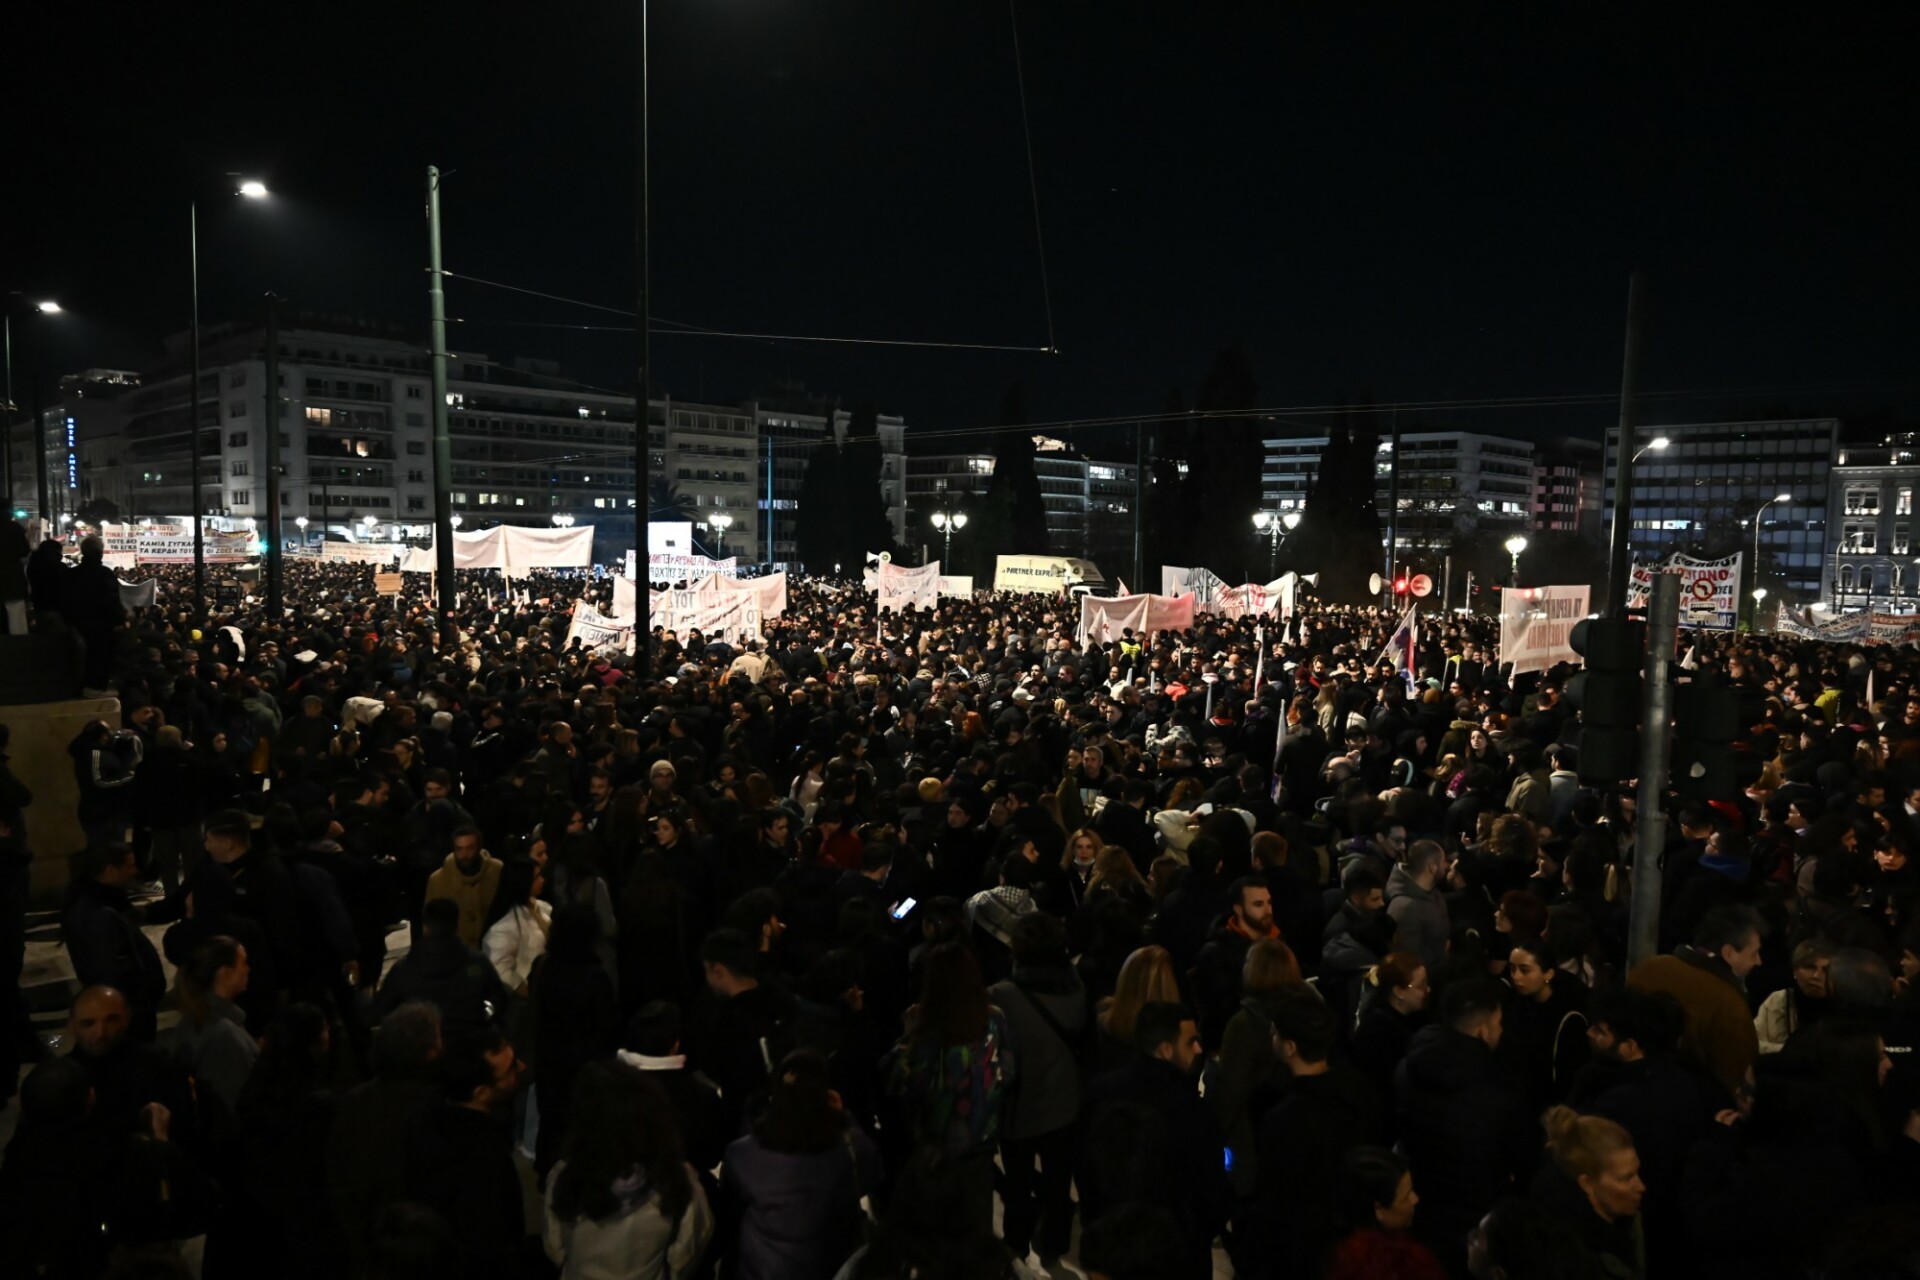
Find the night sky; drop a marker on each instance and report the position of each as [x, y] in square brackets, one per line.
[1375, 202]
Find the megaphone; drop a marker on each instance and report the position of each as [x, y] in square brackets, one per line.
[1311, 579]
[872, 558]
[886, 557]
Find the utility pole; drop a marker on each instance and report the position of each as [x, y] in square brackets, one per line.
[1393, 507]
[45, 511]
[442, 441]
[1656, 723]
[273, 461]
[193, 420]
[1619, 558]
[1139, 504]
[643, 372]
[6, 424]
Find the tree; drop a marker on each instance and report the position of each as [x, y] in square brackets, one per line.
[1014, 477]
[1226, 457]
[98, 511]
[860, 514]
[815, 521]
[1169, 533]
[1339, 533]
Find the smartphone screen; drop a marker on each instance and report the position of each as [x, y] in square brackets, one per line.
[902, 907]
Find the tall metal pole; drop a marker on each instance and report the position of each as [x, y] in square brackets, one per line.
[442, 437]
[1446, 586]
[1139, 503]
[643, 372]
[1619, 560]
[272, 477]
[39, 432]
[6, 425]
[1393, 508]
[1656, 722]
[193, 419]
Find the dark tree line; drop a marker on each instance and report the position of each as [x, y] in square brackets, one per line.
[843, 512]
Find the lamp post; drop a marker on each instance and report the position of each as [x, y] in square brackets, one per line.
[1623, 496]
[1761, 594]
[456, 520]
[1515, 545]
[1270, 524]
[251, 189]
[300, 523]
[563, 522]
[720, 522]
[45, 307]
[947, 524]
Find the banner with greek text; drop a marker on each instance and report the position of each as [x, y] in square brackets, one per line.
[956, 587]
[1104, 618]
[1204, 585]
[1535, 623]
[732, 616]
[668, 567]
[597, 632]
[1709, 589]
[898, 588]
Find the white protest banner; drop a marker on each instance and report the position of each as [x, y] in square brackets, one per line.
[139, 595]
[361, 552]
[956, 586]
[173, 544]
[1104, 618]
[899, 588]
[388, 584]
[1203, 584]
[685, 568]
[1252, 598]
[769, 592]
[625, 601]
[1709, 589]
[597, 632]
[1535, 623]
[669, 538]
[1042, 573]
[734, 616]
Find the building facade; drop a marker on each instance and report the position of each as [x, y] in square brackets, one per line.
[1872, 561]
[1703, 490]
[1089, 502]
[1566, 487]
[1452, 483]
[356, 459]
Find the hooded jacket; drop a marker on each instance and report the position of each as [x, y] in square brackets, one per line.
[1420, 917]
[1468, 1136]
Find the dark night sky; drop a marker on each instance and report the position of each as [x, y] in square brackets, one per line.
[1394, 203]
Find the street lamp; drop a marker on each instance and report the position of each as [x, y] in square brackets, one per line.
[720, 522]
[1515, 545]
[300, 523]
[455, 520]
[1273, 525]
[1761, 595]
[44, 307]
[563, 522]
[947, 524]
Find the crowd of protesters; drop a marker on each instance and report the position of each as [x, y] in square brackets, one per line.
[939, 945]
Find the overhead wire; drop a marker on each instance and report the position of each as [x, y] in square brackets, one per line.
[1033, 183]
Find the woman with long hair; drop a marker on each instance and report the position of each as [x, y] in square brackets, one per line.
[808, 783]
[951, 1071]
[576, 1019]
[1146, 978]
[1247, 1065]
[1393, 1007]
[513, 933]
[791, 1190]
[622, 1202]
[211, 1039]
[1078, 862]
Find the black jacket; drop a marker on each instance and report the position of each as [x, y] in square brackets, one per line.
[449, 974]
[104, 942]
[460, 1162]
[1151, 1139]
[1468, 1136]
[1303, 1141]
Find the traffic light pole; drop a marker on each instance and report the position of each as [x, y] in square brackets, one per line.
[1656, 721]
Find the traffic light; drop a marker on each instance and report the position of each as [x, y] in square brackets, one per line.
[1615, 651]
[1706, 718]
[1400, 586]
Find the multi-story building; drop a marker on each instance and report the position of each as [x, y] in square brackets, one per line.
[355, 426]
[1452, 483]
[1706, 485]
[74, 461]
[1089, 502]
[1872, 561]
[1566, 487]
[791, 425]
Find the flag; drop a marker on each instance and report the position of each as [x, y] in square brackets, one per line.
[1403, 644]
[1120, 585]
[1260, 656]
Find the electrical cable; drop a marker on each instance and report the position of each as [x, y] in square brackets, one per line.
[1033, 183]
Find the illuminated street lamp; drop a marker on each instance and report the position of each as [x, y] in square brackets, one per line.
[947, 524]
[720, 522]
[1274, 526]
[1515, 545]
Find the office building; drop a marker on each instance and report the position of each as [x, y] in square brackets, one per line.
[1566, 487]
[1702, 491]
[1089, 502]
[1452, 483]
[1871, 560]
[791, 424]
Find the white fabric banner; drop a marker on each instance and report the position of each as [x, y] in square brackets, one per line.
[139, 595]
[956, 586]
[626, 609]
[363, 552]
[1709, 589]
[173, 544]
[514, 551]
[1104, 618]
[733, 615]
[597, 632]
[769, 592]
[899, 588]
[669, 537]
[1042, 573]
[685, 568]
[1535, 623]
[1203, 584]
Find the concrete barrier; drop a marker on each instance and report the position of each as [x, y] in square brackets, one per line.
[38, 756]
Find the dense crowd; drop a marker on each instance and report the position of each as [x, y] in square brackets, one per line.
[937, 945]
